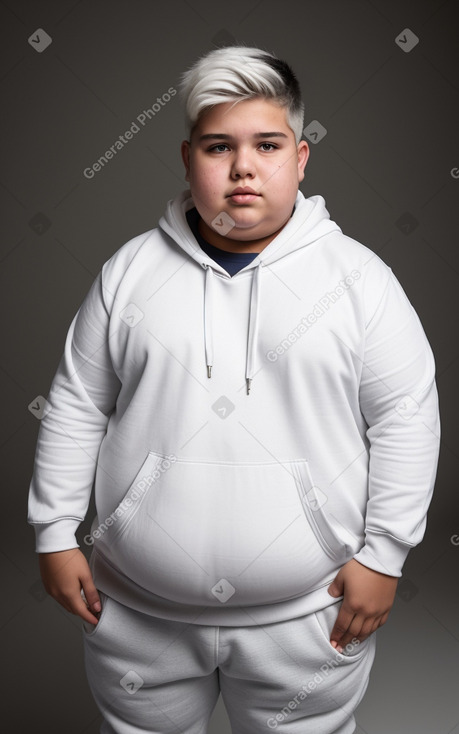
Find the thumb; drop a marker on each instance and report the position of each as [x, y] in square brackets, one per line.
[90, 594]
[336, 587]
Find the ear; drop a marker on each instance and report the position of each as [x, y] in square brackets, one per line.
[185, 149]
[303, 156]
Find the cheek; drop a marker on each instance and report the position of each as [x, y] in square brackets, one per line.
[208, 184]
[203, 176]
[206, 191]
[282, 175]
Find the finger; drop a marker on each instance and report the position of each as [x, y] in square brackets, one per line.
[90, 595]
[376, 624]
[79, 608]
[352, 633]
[367, 628]
[76, 605]
[336, 587]
[341, 626]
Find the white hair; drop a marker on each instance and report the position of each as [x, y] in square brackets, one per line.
[235, 73]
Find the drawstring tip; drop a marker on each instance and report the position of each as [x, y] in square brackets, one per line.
[249, 382]
[209, 370]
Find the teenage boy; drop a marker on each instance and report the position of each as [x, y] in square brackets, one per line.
[254, 396]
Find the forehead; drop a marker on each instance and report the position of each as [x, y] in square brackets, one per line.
[244, 118]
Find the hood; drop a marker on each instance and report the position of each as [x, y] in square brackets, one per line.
[310, 221]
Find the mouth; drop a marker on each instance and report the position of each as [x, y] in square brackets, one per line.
[243, 195]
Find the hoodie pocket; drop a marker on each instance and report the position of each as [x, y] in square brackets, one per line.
[314, 501]
[199, 532]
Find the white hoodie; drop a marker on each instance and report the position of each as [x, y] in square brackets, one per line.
[235, 499]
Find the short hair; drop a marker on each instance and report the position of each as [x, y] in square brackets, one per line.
[236, 73]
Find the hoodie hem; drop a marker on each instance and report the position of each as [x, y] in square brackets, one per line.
[123, 590]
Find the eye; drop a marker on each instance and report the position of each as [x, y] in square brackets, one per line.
[271, 146]
[219, 145]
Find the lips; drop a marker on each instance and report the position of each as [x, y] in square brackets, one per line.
[244, 195]
[245, 190]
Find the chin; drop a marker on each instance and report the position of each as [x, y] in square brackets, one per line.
[250, 235]
[245, 218]
[246, 232]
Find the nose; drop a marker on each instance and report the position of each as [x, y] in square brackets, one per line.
[243, 164]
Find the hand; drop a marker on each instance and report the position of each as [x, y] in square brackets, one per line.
[368, 599]
[64, 574]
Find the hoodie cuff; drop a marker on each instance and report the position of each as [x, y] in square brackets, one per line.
[383, 553]
[56, 536]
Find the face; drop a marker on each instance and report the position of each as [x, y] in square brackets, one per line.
[247, 145]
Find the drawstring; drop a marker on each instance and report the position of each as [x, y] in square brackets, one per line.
[253, 326]
[208, 319]
[253, 322]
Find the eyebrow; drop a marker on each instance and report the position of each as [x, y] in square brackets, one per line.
[223, 136]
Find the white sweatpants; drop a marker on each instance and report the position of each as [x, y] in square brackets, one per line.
[153, 675]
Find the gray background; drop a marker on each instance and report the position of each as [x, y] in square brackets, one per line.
[388, 168]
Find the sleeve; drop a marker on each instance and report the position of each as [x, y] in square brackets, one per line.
[399, 401]
[82, 396]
